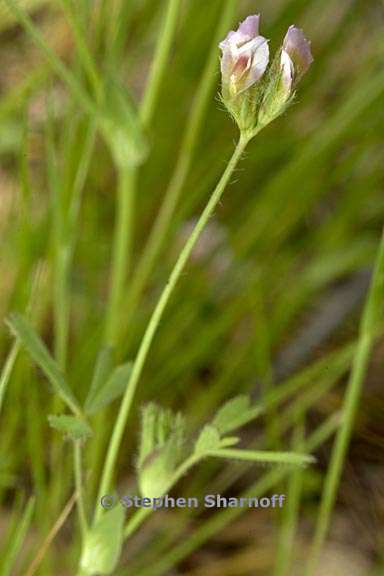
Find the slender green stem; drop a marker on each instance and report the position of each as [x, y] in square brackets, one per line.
[121, 251]
[158, 312]
[368, 330]
[118, 31]
[60, 255]
[264, 456]
[160, 228]
[160, 62]
[79, 487]
[65, 234]
[127, 180]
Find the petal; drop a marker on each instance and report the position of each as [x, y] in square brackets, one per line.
[298, 49]
[287, 70]
[252, 45]
[259, 63]
[226, 42]
[227, 65]
[247, 30]
[250, 26]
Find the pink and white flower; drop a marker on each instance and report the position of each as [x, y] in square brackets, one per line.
[245, 57]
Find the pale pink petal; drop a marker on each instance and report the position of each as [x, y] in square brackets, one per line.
[299, 50]
[259, 62]
[250, 26]
[287, 70]
[245, 56]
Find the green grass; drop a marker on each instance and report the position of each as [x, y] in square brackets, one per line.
[112, 139]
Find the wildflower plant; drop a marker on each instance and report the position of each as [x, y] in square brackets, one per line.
[256, 89]
[164, 454]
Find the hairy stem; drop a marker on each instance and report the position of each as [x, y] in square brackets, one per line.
[157, 314]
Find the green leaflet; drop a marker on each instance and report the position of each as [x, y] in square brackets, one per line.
[106, 386]
[73, 427]
[39, 353]
[234, 414]
[209, 439]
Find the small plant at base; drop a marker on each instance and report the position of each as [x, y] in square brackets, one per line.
[166, 454]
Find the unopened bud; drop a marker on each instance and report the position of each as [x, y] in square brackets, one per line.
[291, 63]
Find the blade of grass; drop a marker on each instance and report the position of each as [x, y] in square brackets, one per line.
[9, 364]
[123, 234]
[85, 55]
[290, 512]
[160, 62]
[7, 370]
[56, 64]
[24, 332]
[60, 254]
[118, 32]
[32, 569]
[192, 133]
[78, 468]
[11, 554]
[368, 331]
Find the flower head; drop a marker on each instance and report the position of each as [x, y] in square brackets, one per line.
[245, 57]
[254, 101]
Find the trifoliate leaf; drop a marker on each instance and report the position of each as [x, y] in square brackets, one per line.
[103, 543]
[209, 439]
[72, 426]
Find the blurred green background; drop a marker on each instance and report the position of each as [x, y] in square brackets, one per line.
[273, 292]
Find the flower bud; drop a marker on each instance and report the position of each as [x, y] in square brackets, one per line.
[291, 63]
[245, 57]
[161, 450]
[296, 56]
